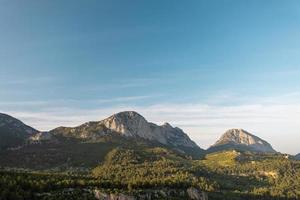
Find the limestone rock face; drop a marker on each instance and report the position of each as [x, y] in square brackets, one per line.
[132, 124]
[40, 137]
[241, 139]
[104, 196]
[191, 193]
[129, 124]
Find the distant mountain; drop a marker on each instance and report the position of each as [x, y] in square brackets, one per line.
[132, 125]
[87, 145]
[240, 139]
[297, 156]
[13, 132]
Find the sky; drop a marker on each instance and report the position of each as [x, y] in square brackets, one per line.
[203, 65]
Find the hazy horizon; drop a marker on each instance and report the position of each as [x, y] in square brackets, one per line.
[204, 66]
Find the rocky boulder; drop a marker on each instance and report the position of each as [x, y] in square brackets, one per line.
[104, 196]
[196, 194]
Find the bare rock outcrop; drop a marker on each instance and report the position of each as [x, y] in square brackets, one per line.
[104, 196]
[132, 124]
[196, 194]
[191, 193]
[129, 124]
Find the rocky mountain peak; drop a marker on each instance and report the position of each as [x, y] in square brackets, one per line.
[128, 114]
[129, 124]
[239, 138]
[167, 125]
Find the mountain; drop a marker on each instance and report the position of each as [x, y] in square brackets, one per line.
[126, 154]
[87, 145]
[297, 156]
[13, 132]
[240, 139]
[131, 125]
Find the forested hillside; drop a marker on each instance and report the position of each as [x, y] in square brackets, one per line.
[224, 175]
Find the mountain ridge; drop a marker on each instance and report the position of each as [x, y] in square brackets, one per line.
[240, 139]
[132, 125]
[129, 124]
[87, 145]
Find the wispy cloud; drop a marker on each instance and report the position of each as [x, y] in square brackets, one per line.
[24, 81]
[234, 98]
[123, 99]
[123, 83]
[24, 103]
[69, 102]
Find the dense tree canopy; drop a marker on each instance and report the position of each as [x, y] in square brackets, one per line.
[224, 175]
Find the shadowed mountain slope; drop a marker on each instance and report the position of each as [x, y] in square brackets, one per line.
[13, 132]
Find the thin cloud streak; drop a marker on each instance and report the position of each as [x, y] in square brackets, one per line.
[64, 102]
[23, 81]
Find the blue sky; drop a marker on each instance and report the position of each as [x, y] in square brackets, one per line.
[204, 66]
